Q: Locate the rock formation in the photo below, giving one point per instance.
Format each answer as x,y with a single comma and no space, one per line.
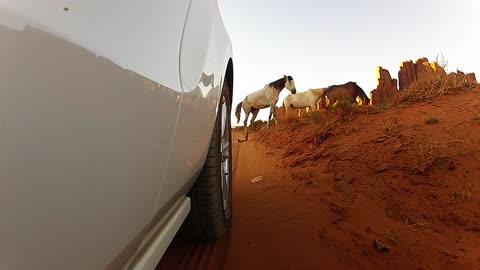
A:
410,72
386,87
470,77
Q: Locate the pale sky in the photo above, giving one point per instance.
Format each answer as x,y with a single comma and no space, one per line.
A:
320,43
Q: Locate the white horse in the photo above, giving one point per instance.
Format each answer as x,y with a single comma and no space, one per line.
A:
264,98
307,99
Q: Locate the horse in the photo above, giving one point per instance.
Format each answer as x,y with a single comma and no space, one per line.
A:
307,99
349,91
264,98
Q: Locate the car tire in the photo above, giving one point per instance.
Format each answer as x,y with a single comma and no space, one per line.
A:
211,196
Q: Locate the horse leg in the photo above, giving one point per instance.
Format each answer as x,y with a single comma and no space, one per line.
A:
320,104
247,114
254,116
270,116
285,106
272,113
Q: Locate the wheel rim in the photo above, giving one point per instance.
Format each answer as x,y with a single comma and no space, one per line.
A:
226,159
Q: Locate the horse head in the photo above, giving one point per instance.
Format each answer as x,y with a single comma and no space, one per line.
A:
290,84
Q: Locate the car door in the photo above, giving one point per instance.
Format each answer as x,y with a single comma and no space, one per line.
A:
203,62
89,96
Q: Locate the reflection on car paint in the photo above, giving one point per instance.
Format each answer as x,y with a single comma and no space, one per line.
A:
80,146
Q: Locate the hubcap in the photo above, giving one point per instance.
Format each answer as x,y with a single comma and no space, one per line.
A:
226,162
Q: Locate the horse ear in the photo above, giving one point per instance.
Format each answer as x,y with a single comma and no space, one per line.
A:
284,76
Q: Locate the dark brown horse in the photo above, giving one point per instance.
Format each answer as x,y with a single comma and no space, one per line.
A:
349,91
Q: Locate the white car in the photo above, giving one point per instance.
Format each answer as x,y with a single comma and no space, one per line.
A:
114,130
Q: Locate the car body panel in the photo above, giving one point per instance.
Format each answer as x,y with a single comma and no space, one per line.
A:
141,36
197,35
80,155
84,136
206,66
157,241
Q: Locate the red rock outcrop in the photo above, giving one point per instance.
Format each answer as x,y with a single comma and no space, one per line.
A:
410,72
386,87
406,74
461,76
470,77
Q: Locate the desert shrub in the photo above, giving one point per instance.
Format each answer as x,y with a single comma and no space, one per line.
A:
343,104
434,84
257,125
424,152
389,127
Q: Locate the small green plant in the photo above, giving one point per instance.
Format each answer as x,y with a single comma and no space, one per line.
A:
432,120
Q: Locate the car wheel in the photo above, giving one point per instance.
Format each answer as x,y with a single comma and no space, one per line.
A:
211,196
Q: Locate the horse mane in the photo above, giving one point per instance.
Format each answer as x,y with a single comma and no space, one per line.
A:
280,83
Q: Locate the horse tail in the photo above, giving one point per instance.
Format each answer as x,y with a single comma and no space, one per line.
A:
238,111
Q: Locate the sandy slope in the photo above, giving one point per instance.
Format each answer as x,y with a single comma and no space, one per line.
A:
365,185
326,195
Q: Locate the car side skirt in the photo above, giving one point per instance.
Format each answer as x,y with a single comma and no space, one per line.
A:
157,241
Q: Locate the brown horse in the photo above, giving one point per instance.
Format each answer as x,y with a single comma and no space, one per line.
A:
349,91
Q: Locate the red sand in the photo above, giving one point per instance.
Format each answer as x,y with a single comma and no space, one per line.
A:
326,196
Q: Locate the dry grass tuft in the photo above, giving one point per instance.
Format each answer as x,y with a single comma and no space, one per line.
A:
432,120
324,131
389,127
394,236
434,84
257,125
424,152
351,129
343,105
